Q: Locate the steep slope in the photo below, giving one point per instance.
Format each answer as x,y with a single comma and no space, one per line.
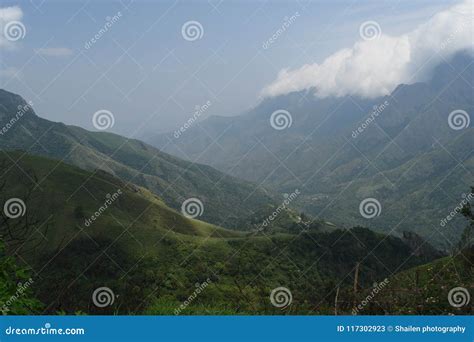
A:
226,200
79,203
430,285
151,258
339,151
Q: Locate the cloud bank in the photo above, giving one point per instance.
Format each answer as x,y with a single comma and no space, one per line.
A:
376,65
7,15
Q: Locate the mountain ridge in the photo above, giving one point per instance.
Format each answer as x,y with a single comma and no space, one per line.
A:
139,248
172,179
319,153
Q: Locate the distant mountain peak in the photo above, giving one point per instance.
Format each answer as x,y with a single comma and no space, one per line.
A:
14,106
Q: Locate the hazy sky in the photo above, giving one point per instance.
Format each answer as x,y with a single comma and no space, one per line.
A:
144,71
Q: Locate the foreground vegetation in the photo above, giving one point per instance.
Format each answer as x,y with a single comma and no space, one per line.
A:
154,260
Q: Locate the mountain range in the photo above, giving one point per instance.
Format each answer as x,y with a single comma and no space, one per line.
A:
400,149
226,200
96,210
125,238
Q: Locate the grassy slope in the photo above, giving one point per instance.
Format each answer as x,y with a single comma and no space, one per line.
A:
227,200
416,192
63,189
152,257
154,267
424,289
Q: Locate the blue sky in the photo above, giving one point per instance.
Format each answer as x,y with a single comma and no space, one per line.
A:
151,78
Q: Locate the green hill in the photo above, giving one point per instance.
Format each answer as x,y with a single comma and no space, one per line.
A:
226,200
152,257
424,290
80,194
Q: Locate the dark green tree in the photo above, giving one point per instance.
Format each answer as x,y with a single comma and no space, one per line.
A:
16,288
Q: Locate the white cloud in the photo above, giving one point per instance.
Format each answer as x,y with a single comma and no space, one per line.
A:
7,15
54,52
375,67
